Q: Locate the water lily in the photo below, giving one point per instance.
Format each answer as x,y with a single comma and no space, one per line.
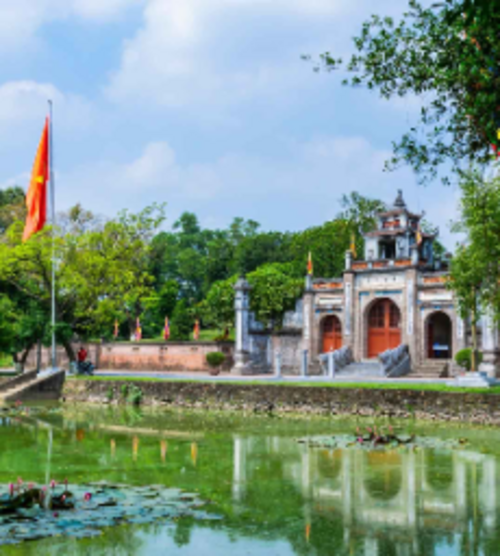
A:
11,489
87,496
52,484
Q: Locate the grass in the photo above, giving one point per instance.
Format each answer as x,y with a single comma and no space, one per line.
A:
338,385
6,361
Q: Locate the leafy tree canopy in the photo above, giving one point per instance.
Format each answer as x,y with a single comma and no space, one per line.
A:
448,55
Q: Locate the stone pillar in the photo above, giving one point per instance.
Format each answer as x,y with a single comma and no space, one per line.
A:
308,332
414,255
239,469
242,362
351,337
412,335
348,260
490,346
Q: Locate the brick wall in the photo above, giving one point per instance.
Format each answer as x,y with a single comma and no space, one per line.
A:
166,356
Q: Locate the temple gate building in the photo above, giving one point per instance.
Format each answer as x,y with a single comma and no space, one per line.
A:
395,295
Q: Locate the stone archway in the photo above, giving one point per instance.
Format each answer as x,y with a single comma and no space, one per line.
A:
439,336
331,334
384,327
383,475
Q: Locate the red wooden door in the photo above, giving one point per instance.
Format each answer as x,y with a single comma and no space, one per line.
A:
384,327
332,334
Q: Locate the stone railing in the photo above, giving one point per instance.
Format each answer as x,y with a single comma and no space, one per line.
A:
334,361
396,362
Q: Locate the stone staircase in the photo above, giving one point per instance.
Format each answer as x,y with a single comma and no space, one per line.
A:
32,386
367,369
431,368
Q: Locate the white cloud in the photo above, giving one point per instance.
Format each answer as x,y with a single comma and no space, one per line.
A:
25,102
21,19
191,52
301,188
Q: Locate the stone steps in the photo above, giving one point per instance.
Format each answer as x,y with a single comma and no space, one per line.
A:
429,369
359,370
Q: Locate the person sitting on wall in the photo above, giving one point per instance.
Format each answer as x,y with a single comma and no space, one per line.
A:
84,367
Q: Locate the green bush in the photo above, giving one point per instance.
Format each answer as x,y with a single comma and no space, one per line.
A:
124,390
215,359
464,358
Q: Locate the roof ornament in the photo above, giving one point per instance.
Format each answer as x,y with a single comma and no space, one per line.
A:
399,202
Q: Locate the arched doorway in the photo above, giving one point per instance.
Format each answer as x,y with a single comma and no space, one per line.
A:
332,334
384,327
439,343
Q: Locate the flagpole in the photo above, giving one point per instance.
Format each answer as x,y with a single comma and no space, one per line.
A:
53,214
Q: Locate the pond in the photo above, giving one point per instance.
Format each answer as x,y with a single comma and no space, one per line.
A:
274,495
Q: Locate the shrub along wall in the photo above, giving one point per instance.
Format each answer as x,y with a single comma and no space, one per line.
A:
467,407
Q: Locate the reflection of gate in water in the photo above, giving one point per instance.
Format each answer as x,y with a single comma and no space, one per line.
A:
382,489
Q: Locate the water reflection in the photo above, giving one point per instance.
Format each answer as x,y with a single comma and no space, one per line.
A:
389,502
277,496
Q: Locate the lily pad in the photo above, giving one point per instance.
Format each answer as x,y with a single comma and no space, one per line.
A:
89,508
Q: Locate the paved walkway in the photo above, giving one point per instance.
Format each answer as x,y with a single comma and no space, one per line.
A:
204,377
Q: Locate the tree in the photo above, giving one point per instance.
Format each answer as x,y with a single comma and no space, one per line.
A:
159,306
466,281
449,56
12,206
361,211
22,324
327,244
101,274
255,249
218,307
182,322
475,269
274,291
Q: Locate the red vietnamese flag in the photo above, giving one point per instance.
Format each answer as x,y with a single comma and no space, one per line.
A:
166,330
310,264
36,198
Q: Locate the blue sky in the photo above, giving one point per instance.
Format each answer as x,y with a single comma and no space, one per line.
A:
203,104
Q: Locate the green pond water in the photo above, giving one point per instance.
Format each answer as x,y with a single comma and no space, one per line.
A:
275,495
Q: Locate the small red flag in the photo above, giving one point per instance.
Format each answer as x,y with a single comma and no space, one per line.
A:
196,331
166,331
36,198
138,330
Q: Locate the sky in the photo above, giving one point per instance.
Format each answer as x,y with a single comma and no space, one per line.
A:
206,105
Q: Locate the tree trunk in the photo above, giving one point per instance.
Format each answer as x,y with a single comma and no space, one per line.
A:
474,357
39,355
69,351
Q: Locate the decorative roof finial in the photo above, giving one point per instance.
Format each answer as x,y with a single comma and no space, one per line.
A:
399,202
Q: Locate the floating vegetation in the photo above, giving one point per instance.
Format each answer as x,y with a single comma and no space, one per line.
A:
31,512
20,410
374,438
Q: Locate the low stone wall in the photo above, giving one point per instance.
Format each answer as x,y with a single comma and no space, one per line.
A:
142,356
18,380
44,388
470,408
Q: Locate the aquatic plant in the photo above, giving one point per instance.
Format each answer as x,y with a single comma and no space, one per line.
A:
35,513
377,438
134,395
